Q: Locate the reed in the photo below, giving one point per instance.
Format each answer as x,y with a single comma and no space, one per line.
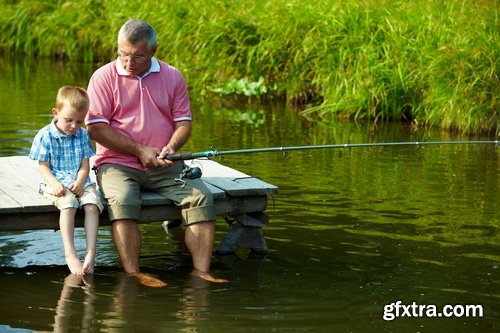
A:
434,63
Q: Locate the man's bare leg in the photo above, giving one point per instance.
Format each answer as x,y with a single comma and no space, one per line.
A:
127,240
199,239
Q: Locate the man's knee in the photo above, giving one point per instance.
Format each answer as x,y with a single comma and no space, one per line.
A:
124,223
199,214
124,212
123,227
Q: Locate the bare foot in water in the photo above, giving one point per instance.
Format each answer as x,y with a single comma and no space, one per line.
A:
73,280
74,264
148,280
88,264
207,276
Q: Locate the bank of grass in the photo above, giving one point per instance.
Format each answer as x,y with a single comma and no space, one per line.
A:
431,62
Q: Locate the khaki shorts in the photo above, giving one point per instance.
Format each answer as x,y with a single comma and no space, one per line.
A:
70,200
121,186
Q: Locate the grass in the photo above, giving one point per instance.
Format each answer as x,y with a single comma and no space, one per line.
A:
433,63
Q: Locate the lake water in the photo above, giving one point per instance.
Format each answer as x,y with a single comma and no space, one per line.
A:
351,231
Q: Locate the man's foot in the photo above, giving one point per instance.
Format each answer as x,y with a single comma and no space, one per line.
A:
207,276
148,280
74,264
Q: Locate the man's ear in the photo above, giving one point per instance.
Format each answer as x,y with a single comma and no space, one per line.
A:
55,112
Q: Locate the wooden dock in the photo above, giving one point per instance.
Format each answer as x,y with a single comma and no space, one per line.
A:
238,197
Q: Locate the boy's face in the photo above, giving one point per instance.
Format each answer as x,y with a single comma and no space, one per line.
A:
69,120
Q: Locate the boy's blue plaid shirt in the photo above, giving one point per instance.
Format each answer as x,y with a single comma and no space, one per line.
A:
63,152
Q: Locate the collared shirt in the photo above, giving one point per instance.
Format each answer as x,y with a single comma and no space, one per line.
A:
142,108
63,152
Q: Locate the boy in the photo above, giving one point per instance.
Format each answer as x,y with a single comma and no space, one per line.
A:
62,150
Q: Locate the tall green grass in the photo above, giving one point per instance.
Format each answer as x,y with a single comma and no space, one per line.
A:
431,62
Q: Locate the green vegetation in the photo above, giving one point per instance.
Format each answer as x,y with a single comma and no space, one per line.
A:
431,62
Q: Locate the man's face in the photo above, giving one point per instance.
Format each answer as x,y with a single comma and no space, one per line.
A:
135,58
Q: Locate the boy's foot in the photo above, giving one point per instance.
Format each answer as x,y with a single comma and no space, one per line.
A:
73,280
148,280
88,264
74,264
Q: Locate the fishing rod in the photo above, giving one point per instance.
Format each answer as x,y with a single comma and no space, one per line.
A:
214,152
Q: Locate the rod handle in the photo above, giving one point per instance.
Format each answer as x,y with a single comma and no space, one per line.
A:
180,157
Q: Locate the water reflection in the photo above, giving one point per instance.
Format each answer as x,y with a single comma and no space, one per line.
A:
349,231
195,304
67,318
116,302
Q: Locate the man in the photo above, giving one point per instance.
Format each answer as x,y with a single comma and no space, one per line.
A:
139,113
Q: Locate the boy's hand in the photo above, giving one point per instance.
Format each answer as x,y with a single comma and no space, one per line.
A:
58,189
77,189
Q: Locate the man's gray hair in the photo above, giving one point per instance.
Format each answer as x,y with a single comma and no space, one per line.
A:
135,31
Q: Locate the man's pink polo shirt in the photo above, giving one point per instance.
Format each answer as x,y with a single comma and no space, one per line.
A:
143,109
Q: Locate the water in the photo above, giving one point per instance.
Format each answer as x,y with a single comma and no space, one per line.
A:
350,231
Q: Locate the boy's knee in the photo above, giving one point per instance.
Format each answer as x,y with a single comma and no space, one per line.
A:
91,209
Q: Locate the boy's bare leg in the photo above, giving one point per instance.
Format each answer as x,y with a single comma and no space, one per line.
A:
67,227
91,223
127,240
199,240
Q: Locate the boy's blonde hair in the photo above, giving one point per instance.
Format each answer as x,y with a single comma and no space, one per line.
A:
76,97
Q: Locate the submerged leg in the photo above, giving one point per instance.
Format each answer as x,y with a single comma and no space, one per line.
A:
199,240
127,240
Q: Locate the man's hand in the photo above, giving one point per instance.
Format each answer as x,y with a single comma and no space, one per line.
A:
167,150
152,157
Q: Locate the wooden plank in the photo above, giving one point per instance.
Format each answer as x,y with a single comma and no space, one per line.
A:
210,168
19,179
242,186
9,205
233,182
234,206
23,167
18,189
23,208
50,220
217,193
26,170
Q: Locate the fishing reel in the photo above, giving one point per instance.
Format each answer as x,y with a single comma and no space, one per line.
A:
189,172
